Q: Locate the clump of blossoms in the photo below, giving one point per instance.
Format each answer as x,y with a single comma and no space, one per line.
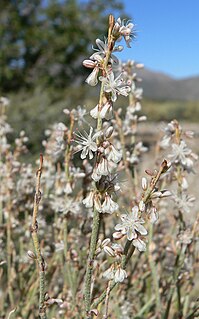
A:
98,146
127,127
183,160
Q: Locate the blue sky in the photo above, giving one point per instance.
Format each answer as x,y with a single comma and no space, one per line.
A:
167,35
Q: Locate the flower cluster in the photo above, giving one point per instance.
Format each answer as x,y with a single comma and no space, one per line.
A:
183,161
132,227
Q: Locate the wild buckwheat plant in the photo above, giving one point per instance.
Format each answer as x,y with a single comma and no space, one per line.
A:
93,234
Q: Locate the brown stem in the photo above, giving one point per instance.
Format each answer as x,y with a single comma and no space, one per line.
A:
34,230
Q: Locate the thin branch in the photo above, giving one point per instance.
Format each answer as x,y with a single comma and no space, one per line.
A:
34,230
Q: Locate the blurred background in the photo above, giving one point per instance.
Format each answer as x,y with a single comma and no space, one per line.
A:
43,44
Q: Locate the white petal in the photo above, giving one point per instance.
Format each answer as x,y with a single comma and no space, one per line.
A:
140,229
139,244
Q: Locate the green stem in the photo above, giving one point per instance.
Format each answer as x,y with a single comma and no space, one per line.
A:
125,260
89,270
145,307
154,271
177,267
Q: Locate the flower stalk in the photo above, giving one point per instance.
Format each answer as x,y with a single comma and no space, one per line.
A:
96,214
36,244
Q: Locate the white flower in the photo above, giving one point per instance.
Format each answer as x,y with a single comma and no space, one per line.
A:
113,154
95,176
106,111
88,142
120,275
68,188
109,206
131,224
164,143
4,101
120,29
102,51
153,215
97,203
137,93
79,114
139,244
180,153
92,78
59,246
102,168
185,184
184,203
88,201
109,274
60,132
115,86
94,112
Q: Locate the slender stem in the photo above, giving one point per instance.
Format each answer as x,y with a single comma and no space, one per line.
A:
107,300
128,248
9,254
122,140
149,303
36,244
177,267
163,169
96,216
89,270
154,272
68,148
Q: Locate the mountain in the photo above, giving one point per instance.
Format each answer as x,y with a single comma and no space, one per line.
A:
158,85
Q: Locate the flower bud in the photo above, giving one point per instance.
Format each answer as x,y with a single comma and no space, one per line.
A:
156,195
165,193
139,65
109,131
144,183
31,255
149,172
89,64
105,242
106,144
109,251
142,118
141,206
117,235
